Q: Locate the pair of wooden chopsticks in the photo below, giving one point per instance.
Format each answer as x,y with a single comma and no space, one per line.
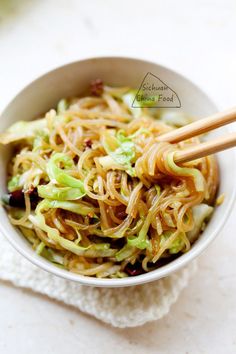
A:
199,127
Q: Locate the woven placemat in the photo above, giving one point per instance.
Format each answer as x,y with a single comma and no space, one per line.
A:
120,307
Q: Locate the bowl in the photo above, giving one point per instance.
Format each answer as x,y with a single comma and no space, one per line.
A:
73,79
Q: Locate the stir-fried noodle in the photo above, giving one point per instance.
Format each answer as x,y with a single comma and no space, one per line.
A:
94,191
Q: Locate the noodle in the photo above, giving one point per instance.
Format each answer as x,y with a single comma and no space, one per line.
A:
94,192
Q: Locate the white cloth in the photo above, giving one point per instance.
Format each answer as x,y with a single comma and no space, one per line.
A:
122,307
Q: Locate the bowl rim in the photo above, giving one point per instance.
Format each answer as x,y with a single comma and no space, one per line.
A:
156,274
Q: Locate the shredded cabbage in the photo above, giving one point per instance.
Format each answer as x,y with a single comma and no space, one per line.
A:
75,207
141,240
129,98
122,137
50,191
53,256
125,252
177,119
62,176
201,212
27,179
124,156
14,183
41,138
40,248
23,130
186,171
121,153
176,246
62,106
95,250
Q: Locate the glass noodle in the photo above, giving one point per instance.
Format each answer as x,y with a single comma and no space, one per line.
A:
94,192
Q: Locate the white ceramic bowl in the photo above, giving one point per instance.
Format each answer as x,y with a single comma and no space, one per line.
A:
72,80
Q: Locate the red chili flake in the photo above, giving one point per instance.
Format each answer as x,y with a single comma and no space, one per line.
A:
96,87
88,143
16,199
134,269
121,214
34,198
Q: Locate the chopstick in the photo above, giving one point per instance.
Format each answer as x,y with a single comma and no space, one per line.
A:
205,149
199,127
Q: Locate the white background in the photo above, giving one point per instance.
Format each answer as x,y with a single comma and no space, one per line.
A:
196,38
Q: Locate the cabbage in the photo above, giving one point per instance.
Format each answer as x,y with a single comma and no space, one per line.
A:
177,119
121,153
23,130
29,234
53,234
50,191
62,106
141,240
146,101
100,250
125,252
96,250
124,155
28,179
108,163
129,98
120,159
54,119
53,256
119,274
40,248
176,246
201,212
74,207
123,138
158,189
14,183
60,175
40,138
186,171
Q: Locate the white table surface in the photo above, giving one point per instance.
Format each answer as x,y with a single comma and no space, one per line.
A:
196,38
